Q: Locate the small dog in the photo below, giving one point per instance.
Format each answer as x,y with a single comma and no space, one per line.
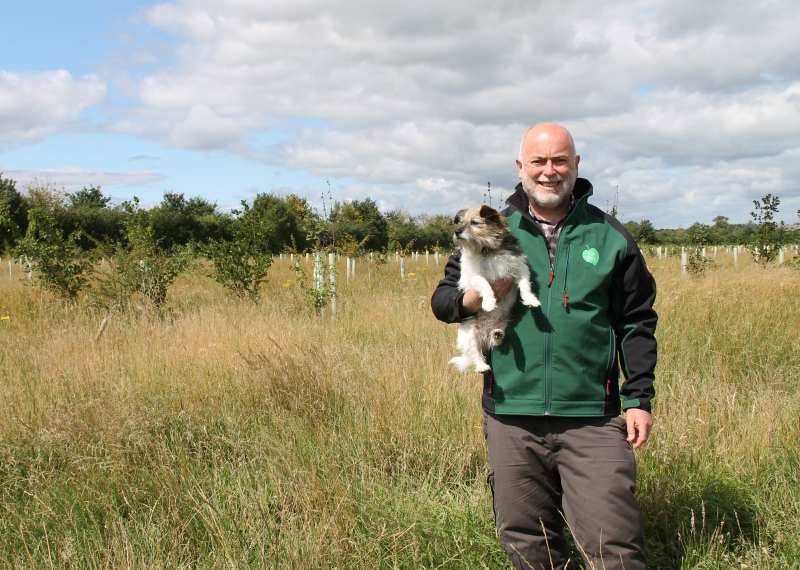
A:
489,252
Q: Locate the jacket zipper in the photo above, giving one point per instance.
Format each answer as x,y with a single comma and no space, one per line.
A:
566,278
547,338
548,356
612,353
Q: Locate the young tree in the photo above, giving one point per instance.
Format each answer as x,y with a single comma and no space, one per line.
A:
241,263
768,237
56,261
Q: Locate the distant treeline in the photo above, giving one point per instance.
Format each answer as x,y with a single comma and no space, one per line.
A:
289,222
720,232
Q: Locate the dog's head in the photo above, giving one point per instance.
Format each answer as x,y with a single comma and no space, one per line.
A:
480,228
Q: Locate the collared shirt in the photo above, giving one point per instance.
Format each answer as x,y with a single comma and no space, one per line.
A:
552,231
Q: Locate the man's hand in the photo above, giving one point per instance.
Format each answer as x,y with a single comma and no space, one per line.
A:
472,301
640,422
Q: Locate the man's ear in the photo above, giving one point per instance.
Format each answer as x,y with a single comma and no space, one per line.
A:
459,217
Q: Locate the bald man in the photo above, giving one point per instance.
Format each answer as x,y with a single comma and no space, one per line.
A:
558,448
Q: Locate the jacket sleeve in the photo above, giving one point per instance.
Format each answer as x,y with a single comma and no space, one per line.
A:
634,293
446,300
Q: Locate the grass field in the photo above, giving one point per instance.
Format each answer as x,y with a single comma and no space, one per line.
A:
228,435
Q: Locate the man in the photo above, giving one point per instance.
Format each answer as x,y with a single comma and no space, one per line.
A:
558,450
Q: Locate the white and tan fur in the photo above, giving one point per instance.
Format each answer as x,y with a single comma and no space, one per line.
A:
489,252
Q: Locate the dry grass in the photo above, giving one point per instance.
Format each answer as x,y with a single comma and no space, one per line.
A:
225,434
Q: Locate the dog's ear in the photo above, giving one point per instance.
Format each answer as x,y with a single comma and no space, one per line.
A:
459,217
490,214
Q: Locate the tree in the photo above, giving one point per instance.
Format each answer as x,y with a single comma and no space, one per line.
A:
140,268
768,238
241,263
361,219
698,235
13,214
281,220
46,196
89,213
647,233
91,197
56,262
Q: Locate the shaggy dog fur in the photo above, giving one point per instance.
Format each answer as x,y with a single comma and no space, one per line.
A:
489,252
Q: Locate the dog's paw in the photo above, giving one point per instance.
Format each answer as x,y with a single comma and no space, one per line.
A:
488,304
498,336
482,367
531,301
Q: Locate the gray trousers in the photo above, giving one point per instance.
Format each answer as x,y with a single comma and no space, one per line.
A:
548,470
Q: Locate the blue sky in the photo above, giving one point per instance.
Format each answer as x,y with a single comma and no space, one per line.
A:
691,111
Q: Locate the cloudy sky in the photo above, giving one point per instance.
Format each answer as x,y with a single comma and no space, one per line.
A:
690,109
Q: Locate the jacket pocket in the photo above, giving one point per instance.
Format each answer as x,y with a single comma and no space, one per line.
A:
612,353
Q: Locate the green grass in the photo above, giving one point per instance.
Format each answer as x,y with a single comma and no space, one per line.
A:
230,435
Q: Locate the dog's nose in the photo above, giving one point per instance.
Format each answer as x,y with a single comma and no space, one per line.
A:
459,231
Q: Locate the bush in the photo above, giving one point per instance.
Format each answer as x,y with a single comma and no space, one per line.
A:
55,261
241,264
140,268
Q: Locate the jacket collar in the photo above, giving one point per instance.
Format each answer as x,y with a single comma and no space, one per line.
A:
519,199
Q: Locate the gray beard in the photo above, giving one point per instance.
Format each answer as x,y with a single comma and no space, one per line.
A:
549,201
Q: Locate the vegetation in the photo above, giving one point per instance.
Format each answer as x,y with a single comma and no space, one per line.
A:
227,436
241,263
55,260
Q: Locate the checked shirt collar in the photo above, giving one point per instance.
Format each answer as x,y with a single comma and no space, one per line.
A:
550,230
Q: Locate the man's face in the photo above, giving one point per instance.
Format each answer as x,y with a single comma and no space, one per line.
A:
548,168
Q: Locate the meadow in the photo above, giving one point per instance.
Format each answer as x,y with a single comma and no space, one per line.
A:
223,434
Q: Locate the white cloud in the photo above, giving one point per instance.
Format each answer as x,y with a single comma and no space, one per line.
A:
690,108
33,105
73,179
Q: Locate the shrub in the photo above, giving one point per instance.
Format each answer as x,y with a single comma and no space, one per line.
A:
241,264
56,261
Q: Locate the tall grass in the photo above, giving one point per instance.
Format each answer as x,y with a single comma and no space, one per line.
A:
227,434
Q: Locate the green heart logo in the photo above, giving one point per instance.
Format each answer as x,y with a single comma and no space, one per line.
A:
591,255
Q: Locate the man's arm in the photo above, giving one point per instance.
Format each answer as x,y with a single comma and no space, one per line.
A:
635,326
452,305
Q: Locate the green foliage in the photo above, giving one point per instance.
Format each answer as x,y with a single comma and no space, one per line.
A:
91,197
13,214
318,294
698,236
140,269
284,220
88,211
56,262
241,263
178,221
643,232
768,238
362,220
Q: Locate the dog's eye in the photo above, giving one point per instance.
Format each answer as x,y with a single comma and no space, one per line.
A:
475,222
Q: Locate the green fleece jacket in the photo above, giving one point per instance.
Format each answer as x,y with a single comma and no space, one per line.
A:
564,358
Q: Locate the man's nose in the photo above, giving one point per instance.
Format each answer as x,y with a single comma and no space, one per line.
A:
549,170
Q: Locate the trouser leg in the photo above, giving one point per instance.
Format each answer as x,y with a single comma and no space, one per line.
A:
598,477
526,492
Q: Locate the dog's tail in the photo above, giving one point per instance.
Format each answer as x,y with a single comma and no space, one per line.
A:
462,363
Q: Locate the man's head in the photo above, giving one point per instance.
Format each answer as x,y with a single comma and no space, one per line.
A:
548,166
